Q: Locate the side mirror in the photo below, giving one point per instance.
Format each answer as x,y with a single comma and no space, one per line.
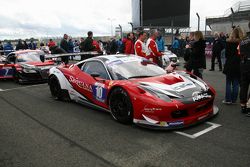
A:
42,58
95,74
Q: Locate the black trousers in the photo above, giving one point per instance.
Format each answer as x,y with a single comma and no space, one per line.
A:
65,59
197,72
218,56
244,82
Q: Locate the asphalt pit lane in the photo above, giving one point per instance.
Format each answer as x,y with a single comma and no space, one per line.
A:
197,131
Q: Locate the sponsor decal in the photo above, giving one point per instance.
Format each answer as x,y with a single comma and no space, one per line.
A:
110,84
99,92
112,63
6,71
197,96
163,124
80,84
183,86
151,110
130,59
177,123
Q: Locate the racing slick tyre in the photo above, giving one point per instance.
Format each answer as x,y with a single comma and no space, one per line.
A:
120,106
56,91
16,77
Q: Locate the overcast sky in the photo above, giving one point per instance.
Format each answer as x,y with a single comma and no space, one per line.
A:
30,18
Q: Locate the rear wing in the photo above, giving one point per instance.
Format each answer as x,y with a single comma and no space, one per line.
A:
85,55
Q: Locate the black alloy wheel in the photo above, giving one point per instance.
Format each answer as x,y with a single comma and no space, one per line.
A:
120,106
16,76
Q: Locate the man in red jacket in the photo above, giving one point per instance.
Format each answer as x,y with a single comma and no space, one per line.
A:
129,45
140,47
51,43
152,46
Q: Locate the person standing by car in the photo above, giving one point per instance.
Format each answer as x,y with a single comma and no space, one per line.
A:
113,46
64,43
88,43
176,46
88,46
64,46
188,50
153,49
32,45
19,45
119,44
216,52
245,73
51,43
71,47
160,43
129,44
25,45
81,45
232,67
8,48
140,46
223,51
197,59
1,48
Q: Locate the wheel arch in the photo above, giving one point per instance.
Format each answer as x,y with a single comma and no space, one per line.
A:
60,76
111,90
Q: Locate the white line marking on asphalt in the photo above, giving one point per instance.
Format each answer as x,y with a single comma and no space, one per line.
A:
5,90
193,136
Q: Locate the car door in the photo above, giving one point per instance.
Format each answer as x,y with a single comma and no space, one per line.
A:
98,84
6,70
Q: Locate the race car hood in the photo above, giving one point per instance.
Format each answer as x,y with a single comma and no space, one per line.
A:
176,85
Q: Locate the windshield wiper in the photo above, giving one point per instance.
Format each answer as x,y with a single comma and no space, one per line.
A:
141,76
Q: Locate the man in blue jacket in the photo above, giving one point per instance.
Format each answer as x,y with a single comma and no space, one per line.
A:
8,48
160,43
32,45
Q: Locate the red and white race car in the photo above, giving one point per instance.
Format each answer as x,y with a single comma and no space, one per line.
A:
25,66
133,89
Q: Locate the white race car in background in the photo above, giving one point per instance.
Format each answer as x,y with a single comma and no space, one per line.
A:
169,57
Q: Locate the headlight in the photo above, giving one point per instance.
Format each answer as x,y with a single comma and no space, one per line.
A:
29,70
156,93
173,59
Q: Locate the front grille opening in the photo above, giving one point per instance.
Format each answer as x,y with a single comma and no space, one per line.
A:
205,107
179,114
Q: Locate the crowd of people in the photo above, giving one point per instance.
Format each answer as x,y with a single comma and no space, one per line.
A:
233,58
232,54
21,45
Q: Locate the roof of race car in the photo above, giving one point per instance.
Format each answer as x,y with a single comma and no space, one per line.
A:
112,58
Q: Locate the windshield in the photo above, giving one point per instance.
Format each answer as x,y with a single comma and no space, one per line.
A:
29,57
137,68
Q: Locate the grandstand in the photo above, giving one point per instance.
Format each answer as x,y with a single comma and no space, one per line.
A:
237,15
